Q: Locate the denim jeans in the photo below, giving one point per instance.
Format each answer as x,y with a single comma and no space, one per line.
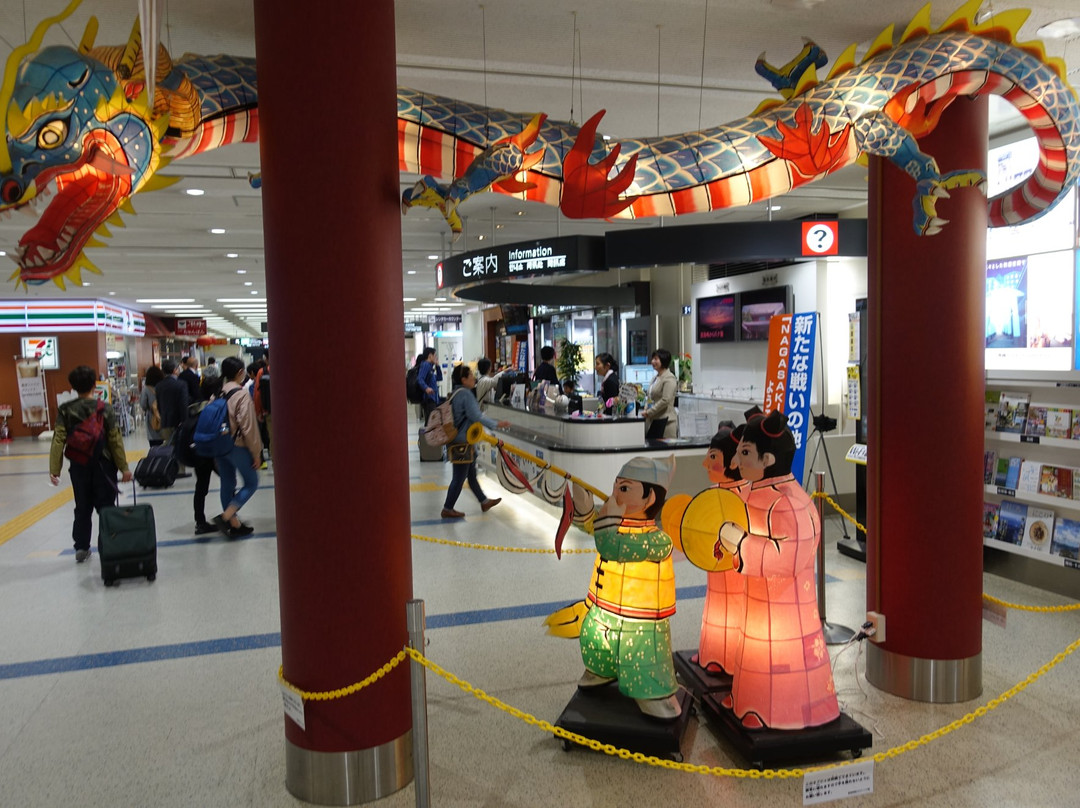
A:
238,460
463,471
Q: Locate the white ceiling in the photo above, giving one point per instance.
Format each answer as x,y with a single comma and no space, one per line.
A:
641,60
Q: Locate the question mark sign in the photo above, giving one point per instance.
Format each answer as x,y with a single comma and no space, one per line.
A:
820,238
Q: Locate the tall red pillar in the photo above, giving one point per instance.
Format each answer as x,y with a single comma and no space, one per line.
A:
925,427
331,219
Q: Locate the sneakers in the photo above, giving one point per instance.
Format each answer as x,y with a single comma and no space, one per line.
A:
81,556
221,524
489,503
205,527
450,513
239,532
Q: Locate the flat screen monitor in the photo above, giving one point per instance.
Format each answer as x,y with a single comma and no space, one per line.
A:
758,307
716,318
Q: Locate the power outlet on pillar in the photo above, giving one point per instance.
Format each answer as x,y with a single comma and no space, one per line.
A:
876,627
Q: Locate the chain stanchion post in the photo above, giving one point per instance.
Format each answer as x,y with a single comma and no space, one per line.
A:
414,611
834,634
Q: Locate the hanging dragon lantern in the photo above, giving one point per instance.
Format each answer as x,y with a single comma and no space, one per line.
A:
81,137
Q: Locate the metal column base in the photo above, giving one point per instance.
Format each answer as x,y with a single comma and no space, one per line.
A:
349,778
940,681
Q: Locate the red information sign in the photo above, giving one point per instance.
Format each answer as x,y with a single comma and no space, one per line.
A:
820,238
776,374
190,328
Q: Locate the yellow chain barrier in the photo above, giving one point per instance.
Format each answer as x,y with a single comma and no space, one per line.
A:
651,760
1069,608
473,546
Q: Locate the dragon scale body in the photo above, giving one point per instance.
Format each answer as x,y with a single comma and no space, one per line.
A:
82,137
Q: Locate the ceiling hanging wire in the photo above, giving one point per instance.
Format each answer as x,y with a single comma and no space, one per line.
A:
580,82
701,86
168,29
658,27
483,40
573,64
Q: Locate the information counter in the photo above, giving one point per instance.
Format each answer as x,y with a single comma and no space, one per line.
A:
593,449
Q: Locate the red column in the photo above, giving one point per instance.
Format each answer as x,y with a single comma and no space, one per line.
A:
331,219
925,428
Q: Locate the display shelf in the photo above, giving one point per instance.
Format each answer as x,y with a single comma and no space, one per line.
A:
1038,555
1035,440
1045,500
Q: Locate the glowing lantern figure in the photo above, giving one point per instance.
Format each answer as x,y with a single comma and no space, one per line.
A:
625,634
782,676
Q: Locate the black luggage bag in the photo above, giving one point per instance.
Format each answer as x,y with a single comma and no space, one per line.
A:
127,542
427,451
158,469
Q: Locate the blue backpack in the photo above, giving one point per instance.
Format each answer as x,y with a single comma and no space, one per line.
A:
213,434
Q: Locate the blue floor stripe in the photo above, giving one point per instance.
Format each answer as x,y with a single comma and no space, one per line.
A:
205,539
188,491
19,670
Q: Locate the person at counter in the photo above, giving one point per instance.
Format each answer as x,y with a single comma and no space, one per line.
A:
462,454
573,399
545,371
607,370
660,416
486,382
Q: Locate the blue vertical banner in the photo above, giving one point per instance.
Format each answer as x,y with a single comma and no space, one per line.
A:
800,383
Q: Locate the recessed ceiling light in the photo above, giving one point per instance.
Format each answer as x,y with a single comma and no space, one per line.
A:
411,272
521,213
408,300
232,255
234,300
480,237
194,192
254,292
433,258
241,272
439,299
85,283
217,231
165,300
3,252
249,283
112,293
774,207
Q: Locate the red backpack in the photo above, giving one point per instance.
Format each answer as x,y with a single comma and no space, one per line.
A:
84,440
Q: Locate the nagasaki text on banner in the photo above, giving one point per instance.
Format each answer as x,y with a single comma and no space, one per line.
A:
790,376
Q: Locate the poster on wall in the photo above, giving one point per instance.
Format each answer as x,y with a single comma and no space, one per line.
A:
1029,312
716,319
31,378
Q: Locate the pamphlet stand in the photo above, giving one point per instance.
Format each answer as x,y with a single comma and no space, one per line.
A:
604,714
766,748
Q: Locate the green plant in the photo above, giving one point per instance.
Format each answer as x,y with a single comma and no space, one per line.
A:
570,361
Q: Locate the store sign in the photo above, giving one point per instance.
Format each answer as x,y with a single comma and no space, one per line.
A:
413,327
526,259
69,316
821,238
445,322
190,328
43,349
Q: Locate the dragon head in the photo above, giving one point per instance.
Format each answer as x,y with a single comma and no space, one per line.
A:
79,143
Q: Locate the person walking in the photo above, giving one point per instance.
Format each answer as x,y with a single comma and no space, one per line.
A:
466,412
428,382
209,387
93,477
244,458
172,401
149,407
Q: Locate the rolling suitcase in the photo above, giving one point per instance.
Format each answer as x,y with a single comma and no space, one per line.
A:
158,469
427,451
127,542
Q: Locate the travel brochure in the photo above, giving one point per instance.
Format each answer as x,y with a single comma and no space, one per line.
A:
1032,528
1030,476
1011,411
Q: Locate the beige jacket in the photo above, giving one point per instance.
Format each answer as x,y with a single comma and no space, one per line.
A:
242,419
662,402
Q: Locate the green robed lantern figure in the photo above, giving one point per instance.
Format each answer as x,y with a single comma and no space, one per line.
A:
625,634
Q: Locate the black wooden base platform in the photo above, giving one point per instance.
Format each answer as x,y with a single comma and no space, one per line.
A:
698,680
766,748
605,715
852,548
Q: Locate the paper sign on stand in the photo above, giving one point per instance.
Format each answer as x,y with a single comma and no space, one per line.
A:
838,783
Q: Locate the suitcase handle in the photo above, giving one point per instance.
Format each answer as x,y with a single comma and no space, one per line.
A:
134,495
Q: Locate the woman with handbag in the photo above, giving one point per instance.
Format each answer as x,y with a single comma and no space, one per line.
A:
466,412
149,407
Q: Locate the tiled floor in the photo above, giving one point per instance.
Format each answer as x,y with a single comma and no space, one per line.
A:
164,694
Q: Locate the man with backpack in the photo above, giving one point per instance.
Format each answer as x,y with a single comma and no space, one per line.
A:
87,434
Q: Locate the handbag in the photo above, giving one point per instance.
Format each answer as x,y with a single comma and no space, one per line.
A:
461,453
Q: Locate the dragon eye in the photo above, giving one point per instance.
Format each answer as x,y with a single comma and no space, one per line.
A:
52,134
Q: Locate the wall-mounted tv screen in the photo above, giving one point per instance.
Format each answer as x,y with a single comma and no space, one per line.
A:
716,318
756,308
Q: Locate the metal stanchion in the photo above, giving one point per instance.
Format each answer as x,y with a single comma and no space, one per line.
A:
414,611
834,634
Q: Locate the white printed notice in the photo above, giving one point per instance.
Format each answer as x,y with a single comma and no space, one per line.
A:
31,391
838,783
294,705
